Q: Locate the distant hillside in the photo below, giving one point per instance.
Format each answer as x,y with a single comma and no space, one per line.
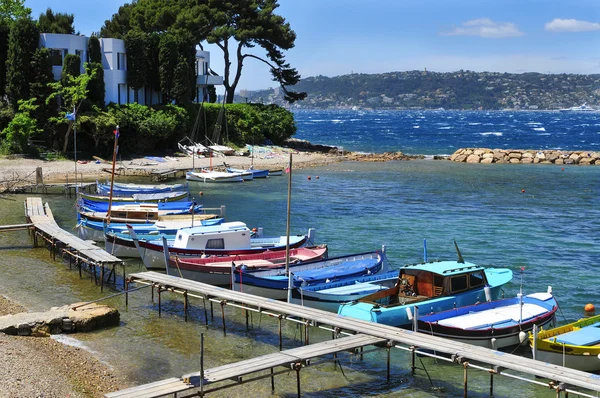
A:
433,90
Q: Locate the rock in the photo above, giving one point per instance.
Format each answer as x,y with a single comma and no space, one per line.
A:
473,159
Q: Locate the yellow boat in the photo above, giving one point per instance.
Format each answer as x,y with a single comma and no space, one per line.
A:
576,345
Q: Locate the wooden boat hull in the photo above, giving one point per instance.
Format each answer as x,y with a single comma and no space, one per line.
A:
493,325
329,296
217,270
274,283
575,345
214,177
150,198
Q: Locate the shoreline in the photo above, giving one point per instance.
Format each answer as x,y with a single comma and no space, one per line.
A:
45,366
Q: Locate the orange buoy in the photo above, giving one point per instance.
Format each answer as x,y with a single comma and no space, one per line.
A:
201,193
563,169
308,178
522,191
589,309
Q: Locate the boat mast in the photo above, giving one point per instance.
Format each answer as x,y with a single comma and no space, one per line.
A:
112,178
287,233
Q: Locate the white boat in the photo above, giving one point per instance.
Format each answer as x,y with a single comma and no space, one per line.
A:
580,108
222,149
213,176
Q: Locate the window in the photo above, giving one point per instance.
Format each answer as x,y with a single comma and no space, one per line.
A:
121,61
476,279
57,55
458,283
215,244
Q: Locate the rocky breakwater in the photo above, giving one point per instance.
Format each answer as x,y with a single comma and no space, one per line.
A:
522,156
78,317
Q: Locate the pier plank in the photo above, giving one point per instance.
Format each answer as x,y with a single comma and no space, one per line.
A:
399,336
156,389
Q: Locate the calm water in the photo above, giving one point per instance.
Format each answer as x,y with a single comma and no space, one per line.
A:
551,229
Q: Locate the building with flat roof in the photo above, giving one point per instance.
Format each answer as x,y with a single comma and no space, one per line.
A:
114,62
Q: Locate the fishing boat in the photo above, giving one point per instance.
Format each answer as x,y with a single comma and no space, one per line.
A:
255,173
494,324
91,205
127,190
136,213
141,197
575,345
432,287
275,283
581,108
228,238
329,295
275,172
213,176
95,229
217,270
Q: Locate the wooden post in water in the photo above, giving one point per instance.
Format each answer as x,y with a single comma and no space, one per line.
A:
112,177
465,392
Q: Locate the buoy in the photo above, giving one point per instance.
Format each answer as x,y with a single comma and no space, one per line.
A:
201,193
317,177
522,191
308,178
563,169
522,337
589,309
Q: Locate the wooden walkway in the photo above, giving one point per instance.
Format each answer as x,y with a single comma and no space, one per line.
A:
83,252
400,338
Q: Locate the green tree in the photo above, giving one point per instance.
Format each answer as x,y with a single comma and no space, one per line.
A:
13,9
4,33
71,68
176,66
73,91
152,62
22,43
135,45
94,53
15,137
41,67
118,26
96,88
237,26
50,22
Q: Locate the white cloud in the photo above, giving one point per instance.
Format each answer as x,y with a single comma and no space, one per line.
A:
571,25
486,28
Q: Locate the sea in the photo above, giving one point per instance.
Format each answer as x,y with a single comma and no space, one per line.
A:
540,221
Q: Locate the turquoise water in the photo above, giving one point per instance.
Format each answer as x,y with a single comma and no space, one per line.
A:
542,218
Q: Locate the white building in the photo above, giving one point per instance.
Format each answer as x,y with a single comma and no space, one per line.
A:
114,62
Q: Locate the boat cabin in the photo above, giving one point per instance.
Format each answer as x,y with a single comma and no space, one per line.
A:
425,281
229,235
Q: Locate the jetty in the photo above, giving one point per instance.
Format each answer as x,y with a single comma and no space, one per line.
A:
361,333
523,156
80,252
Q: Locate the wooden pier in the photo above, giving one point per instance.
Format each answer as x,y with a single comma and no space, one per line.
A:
81,252
364,332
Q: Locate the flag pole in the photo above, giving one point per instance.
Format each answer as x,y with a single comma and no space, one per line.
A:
112,178
287,232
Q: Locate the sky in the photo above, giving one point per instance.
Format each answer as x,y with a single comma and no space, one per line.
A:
340,37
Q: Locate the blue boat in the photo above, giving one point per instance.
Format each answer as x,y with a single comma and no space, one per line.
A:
274,283
122,189
329,295
159,197
494,324
170,207
256,173
429,287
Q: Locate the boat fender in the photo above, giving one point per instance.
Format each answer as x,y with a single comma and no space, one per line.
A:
493,341
488,293
409,314
522,337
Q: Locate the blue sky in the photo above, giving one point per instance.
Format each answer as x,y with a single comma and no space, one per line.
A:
338,37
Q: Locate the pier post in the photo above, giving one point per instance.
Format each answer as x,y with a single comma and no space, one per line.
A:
272,381
297,367
101,277
492,371
205,311
126,287
185,305
388,346
212,312
306,329
78,265
201,364
159,303
280,335
413,355
465,380
223,303
247,316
